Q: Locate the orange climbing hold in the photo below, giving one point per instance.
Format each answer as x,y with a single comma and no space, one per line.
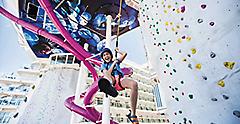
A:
198,66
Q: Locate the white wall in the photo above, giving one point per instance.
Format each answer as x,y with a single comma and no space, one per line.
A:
199,99
47,103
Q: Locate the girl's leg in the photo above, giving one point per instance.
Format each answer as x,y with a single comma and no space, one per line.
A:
131,84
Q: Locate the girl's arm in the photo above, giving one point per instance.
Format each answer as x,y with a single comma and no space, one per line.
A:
112,66
108,73
122,54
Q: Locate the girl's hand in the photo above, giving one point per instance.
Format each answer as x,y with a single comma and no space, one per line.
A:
116,61
117,50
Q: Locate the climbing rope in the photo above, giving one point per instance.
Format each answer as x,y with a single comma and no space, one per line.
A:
118,27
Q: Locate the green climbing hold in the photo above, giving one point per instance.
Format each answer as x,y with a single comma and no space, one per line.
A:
168,65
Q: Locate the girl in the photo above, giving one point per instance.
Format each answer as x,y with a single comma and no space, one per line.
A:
111,70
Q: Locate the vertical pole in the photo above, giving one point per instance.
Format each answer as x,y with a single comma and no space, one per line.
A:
44,20
108,31
106,99
81,86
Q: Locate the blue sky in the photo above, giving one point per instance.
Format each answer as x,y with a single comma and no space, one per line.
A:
14,57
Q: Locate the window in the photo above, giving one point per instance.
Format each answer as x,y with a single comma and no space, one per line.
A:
32,11
4,117
159,97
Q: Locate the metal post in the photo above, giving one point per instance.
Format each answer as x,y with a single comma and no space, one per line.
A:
81,87
106,99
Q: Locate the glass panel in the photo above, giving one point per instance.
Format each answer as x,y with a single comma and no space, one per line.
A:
61,59
53,59
70,59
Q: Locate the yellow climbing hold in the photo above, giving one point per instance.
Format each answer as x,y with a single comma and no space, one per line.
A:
171,23
166,23
193,50
184,59
178,11
169,6
229,65
221,83
178,26
188,38
165,11
173,29
179,40
198,66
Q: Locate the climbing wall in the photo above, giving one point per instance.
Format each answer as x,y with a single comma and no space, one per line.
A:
46,106
194,46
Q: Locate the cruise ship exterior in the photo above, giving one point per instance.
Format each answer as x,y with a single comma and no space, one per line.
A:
16,90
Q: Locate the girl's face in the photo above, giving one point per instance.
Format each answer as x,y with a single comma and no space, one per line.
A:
107,57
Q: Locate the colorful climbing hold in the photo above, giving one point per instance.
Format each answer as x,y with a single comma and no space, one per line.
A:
212,55
183,8
169,6
168,65
229,65
198,66
165,11
182,82
221,83
214,99
188,38
211,23
179,40
178,11
200,20
203,6
204,77
180,112
190,66
193,50
236,113
166,23
183,93
190,96
225,97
